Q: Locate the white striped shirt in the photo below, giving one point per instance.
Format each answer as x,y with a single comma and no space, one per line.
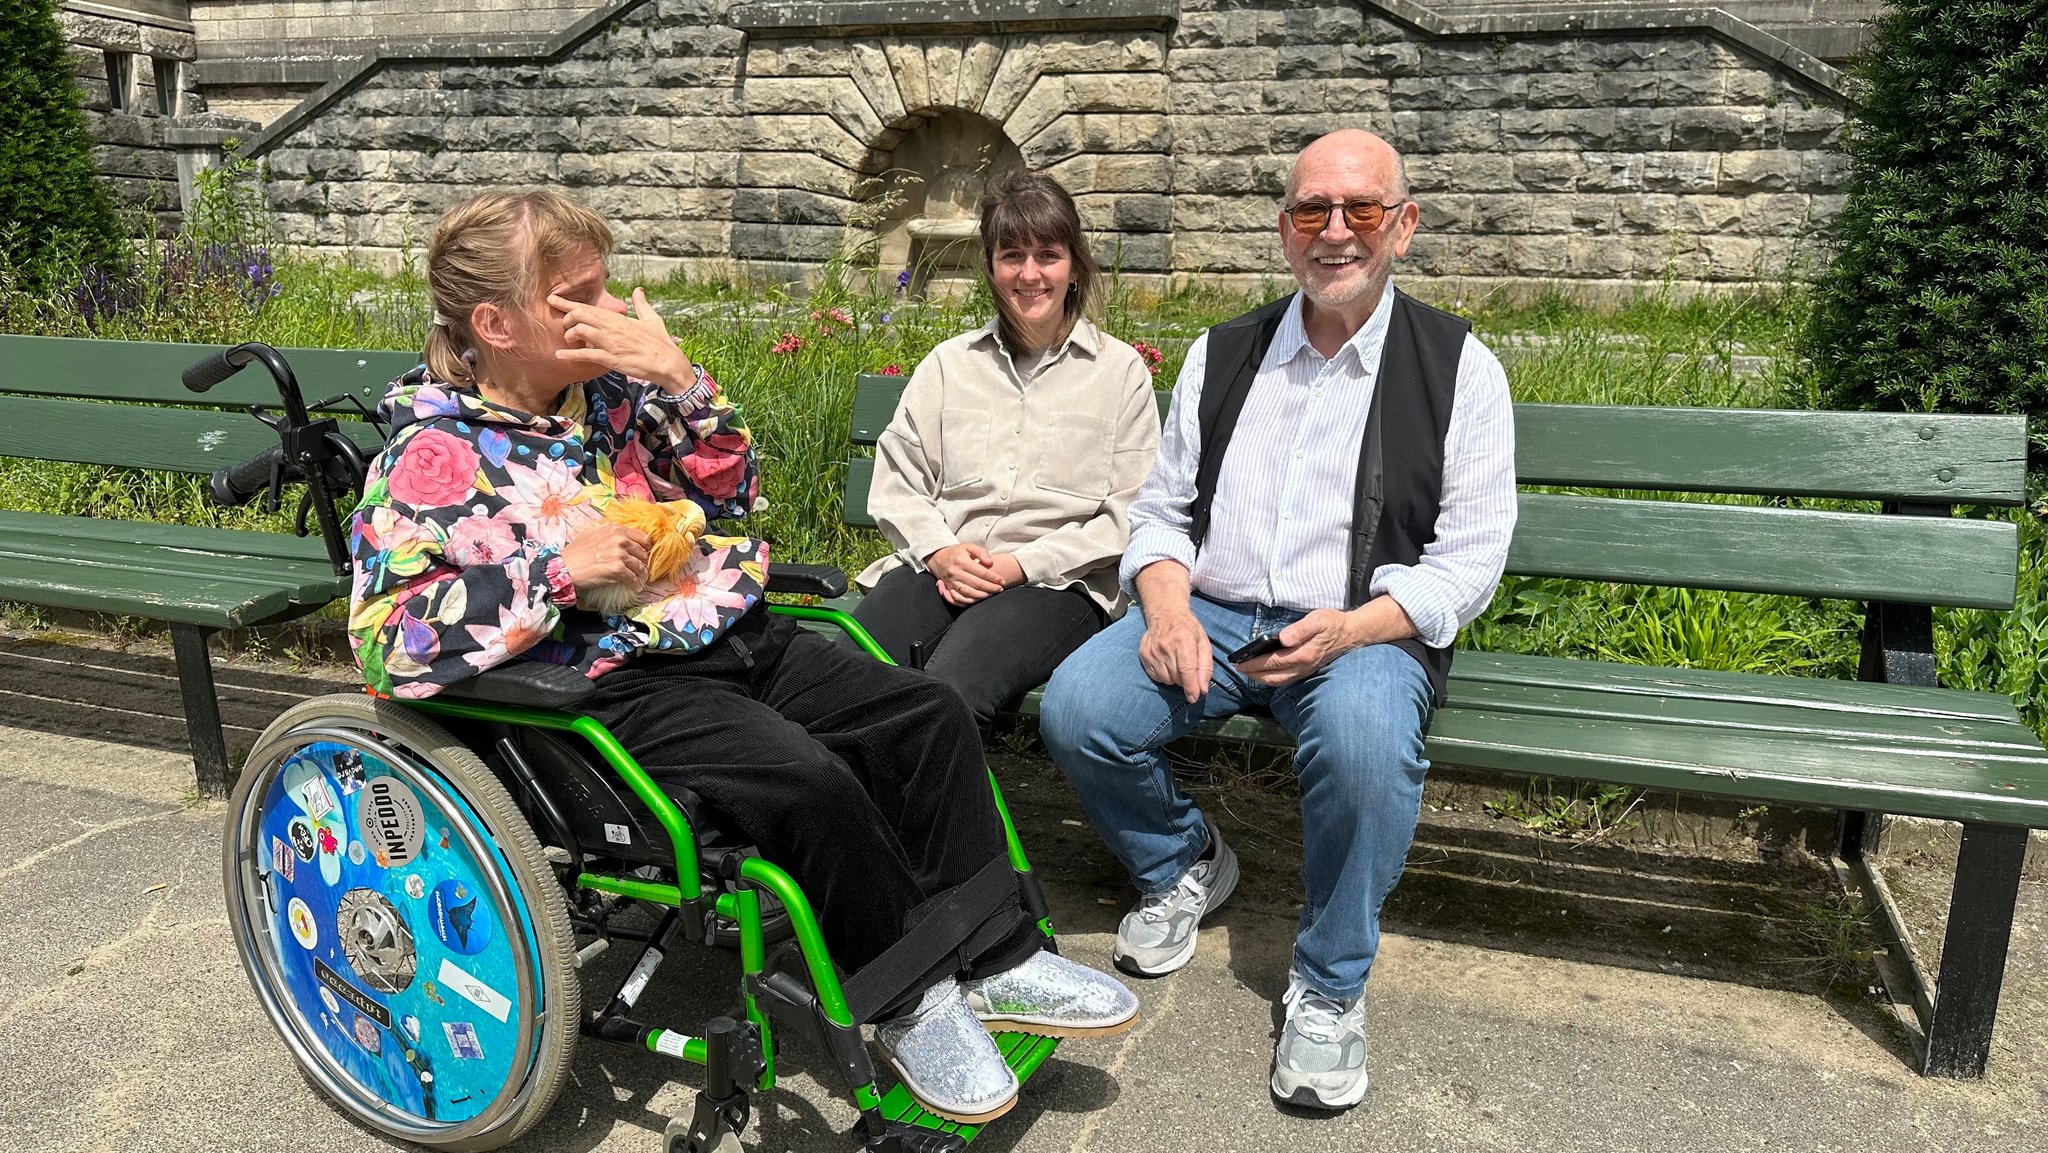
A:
1279,527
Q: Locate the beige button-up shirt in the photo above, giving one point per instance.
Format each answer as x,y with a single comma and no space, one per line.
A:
1044,468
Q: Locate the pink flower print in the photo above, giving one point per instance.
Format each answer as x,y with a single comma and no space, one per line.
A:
629,471
435,469
479,539
618,416
549,500
703,586
716,471
520,626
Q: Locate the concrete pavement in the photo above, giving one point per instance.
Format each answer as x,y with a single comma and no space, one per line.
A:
1530,996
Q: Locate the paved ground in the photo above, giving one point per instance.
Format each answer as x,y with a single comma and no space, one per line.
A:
1530,995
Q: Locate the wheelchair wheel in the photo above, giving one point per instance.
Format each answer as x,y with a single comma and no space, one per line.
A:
400,925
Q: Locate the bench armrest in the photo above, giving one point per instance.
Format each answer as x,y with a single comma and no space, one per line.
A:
821,580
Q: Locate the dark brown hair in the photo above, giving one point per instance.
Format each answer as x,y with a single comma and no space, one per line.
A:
1022,208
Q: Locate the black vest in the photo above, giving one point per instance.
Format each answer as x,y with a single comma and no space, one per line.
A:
1394,509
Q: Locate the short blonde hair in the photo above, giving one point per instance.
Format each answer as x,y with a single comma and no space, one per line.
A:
494,248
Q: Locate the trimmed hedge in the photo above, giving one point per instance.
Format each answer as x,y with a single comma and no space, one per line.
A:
54,211
1937,296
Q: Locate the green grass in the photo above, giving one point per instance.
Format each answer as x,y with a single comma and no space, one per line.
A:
1654,350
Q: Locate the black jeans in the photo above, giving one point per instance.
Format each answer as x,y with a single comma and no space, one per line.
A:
994,650
865,782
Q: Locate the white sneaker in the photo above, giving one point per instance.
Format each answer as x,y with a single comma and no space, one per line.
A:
1053,997
1158,936
947,1060
1319,1061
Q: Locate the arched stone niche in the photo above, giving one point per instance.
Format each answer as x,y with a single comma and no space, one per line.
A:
938,170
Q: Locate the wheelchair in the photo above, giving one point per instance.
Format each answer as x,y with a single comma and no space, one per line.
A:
414,887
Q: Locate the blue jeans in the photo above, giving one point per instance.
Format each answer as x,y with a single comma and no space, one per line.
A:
1358,727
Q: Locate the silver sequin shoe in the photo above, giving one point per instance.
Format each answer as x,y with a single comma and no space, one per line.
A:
1053,997
947,1060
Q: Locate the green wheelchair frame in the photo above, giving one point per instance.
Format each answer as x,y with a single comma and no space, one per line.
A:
740,1057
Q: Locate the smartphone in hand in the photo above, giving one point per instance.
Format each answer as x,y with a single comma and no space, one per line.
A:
1257,647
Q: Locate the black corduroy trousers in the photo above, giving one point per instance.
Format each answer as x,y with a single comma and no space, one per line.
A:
864,781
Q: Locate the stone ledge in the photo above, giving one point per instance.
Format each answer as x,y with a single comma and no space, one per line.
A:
354,73
1608,20
154,12
809,17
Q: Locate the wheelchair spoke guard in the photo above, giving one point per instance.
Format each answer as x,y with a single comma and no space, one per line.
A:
400,925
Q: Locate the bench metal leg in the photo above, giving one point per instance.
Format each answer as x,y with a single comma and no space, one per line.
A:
202,708
1980,913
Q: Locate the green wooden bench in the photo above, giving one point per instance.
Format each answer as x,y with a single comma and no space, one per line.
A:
1891,742
111,402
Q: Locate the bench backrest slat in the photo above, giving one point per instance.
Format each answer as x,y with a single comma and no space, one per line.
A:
136,370
1746,548
1743,548
1915,458
1934,458
141,436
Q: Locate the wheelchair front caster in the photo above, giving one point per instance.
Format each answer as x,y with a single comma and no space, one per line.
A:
677,1139
722,1109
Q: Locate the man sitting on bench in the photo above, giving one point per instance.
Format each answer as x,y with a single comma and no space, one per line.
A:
1357,450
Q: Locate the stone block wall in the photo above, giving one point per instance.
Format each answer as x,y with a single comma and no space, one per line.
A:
717,134
131,122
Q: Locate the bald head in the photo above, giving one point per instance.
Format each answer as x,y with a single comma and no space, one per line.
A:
1350,149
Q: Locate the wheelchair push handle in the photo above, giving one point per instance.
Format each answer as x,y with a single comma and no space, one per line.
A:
238,484
310,452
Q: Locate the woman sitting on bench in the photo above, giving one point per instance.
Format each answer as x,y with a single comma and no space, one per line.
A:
1005,478
540,403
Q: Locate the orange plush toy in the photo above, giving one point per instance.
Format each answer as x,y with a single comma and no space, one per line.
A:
673,529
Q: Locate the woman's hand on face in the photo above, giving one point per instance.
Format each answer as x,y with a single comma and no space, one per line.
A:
964,574
638,345
604,554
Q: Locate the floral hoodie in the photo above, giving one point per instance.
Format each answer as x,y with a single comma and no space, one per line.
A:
458,539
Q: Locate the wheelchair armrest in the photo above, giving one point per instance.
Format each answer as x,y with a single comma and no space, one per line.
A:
529,684
814,579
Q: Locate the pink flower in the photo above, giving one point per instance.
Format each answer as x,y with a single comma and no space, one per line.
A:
520,626
789,343
839,316
891,370
477,540
1150,355
629,471
717,469
435,469
702,587
549,500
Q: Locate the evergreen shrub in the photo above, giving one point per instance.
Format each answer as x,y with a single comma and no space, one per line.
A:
54,212
1937,295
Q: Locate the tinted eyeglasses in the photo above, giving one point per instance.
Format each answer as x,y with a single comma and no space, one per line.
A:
1312,216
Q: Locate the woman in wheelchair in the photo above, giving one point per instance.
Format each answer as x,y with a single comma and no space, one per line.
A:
483,533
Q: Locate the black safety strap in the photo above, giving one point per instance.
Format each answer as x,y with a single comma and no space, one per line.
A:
956,927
